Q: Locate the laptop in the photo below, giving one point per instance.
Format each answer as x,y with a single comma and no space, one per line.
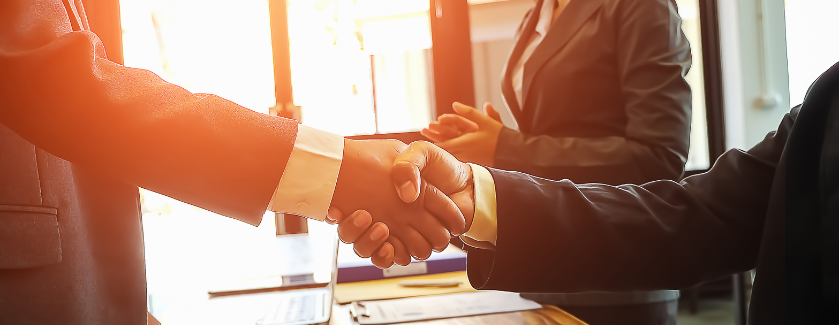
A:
304,306
287,262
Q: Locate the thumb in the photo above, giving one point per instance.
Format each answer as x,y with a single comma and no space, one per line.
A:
406,171
471,113
435,165
491,112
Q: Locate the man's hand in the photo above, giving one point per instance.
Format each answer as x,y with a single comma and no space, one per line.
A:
365,183
470,136
369,239
424,163
419,165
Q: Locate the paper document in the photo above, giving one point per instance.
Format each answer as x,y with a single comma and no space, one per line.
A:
390,289
441,306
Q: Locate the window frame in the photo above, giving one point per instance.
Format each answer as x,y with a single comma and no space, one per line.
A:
712,73
450,34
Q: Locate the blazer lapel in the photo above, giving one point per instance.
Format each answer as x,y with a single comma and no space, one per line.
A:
520,43
565,26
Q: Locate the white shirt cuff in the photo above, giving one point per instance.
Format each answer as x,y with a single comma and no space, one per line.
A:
311,173
485,222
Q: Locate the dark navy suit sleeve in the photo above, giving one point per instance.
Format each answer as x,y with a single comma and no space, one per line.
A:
557,236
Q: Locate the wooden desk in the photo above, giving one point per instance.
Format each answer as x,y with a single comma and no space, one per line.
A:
548,315
246,309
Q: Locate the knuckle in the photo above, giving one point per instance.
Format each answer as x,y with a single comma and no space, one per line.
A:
346,237
421,144
361,252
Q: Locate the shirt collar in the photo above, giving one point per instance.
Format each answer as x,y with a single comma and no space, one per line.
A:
545,17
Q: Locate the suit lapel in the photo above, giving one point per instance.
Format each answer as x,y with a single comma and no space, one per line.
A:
520,43
70,6
565,26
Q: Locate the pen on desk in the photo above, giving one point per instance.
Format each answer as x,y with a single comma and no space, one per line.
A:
430,283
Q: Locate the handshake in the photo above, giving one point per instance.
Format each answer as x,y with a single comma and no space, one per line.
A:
394,201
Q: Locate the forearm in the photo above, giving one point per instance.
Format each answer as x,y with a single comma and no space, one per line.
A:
131,125
611,160
602,238
555,236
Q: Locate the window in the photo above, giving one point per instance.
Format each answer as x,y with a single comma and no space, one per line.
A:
808,52
361,67
203,46
186,41
698,156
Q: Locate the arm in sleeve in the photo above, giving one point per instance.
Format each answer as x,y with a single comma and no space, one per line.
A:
65,96
555,236
653,58
310,176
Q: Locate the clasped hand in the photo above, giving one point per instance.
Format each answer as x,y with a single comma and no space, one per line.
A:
469,135
405,200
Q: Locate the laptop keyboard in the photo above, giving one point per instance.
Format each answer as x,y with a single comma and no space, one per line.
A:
295,309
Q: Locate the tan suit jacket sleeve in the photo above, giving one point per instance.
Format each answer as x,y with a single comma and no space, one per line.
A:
60,92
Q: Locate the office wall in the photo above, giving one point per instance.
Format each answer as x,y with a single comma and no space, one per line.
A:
754,64
493,26
754,58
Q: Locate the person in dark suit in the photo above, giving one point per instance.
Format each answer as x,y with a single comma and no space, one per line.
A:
79,134
772,208
598,92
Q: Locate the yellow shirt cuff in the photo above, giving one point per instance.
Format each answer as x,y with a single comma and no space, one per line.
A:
311,173
485,223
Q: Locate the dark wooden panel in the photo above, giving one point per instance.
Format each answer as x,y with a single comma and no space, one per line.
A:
451,54
104,19
712,64
278,11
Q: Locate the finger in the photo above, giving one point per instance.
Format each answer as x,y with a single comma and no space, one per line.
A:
467,142
371,240
445,211
384,256
491,112
416,244
465,201
333,216
446,130
354,226
400,252
434,233
433,136
462,124
471,113
432,229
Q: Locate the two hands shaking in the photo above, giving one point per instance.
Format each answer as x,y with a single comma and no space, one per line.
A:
433,198
394,201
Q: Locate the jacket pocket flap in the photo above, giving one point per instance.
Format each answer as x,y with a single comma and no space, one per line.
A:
28,237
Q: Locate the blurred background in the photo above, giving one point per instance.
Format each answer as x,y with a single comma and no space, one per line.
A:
361,67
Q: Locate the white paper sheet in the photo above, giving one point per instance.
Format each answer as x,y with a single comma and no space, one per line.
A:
441,306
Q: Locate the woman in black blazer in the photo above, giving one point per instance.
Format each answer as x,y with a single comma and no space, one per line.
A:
597,89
